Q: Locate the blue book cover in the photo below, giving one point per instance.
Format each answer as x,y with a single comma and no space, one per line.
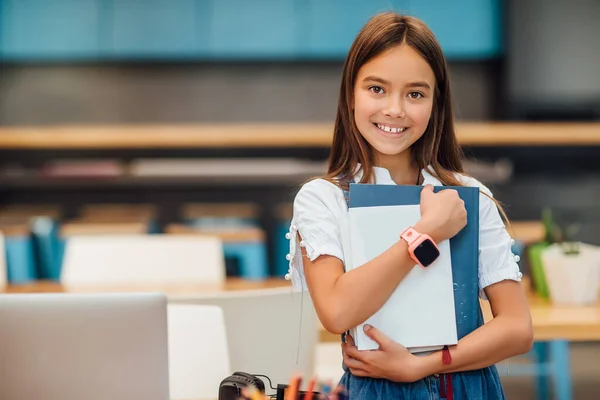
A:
464,246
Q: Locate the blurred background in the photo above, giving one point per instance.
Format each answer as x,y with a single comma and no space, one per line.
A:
187,116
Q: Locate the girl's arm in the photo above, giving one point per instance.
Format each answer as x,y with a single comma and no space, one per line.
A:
344,300
509,333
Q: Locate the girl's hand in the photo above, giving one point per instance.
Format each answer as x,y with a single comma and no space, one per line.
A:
392,361
443,214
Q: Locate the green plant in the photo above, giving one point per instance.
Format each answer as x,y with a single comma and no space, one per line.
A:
564,236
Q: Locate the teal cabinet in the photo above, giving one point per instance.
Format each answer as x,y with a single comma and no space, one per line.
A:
332,25
50,29
255,29
466,29
158,29
172,30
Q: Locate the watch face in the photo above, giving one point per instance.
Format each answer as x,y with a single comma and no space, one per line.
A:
426,252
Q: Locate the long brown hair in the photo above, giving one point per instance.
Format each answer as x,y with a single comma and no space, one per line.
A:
437,149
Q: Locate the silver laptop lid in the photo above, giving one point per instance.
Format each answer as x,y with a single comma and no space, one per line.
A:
83,346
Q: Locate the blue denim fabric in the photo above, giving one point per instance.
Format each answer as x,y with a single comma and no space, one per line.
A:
481,384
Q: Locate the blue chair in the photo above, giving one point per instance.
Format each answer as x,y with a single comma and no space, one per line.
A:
245,246
550,365
47,247
19,253
251,256
281,242
549,360
282,248
38,236
554,361
238,226
102,216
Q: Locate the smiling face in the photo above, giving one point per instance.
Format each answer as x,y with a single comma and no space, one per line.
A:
393,101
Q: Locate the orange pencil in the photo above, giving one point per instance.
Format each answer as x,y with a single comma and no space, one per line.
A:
292,391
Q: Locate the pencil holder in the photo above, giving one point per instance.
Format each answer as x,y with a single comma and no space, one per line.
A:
572,271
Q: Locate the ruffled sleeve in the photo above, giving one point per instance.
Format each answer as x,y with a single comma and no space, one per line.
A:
496,259
314,228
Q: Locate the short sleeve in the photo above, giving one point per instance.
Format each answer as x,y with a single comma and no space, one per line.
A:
314,227
496,259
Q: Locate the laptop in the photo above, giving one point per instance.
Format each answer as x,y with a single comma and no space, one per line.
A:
272,332
84,346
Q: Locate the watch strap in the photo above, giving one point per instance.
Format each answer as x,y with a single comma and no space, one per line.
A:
410,235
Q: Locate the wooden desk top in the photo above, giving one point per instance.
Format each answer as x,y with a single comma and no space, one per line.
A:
549,321
275,135
231,284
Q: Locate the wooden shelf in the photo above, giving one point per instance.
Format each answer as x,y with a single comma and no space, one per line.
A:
133,182
275,136
158,137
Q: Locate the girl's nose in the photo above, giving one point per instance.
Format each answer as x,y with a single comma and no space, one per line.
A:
395,108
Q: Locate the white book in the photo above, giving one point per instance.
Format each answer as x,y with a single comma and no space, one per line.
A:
420,313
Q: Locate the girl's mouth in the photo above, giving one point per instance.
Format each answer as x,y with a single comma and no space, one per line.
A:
391,131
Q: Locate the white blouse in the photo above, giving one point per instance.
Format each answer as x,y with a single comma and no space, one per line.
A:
321,219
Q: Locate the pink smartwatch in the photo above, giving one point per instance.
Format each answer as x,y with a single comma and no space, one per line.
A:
421,247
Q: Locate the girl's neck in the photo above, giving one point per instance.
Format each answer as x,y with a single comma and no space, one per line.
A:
400,167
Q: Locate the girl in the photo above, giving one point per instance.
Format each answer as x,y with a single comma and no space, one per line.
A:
394,125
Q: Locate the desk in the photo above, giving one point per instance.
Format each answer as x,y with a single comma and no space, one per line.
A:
231,284
550,322
554,326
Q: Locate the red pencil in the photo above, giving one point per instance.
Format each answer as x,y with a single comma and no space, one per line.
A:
310,389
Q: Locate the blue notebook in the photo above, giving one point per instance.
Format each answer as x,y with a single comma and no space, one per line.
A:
464,247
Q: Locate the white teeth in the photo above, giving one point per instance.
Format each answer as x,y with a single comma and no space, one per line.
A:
389,129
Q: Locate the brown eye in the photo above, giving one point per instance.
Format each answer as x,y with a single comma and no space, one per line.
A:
415,95
376,89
